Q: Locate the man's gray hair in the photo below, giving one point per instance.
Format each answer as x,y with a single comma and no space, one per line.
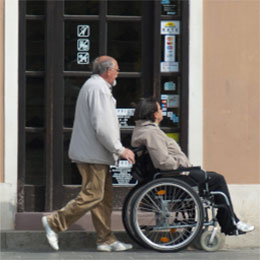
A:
99,67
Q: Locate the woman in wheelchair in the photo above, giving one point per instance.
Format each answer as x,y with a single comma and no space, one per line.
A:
166,155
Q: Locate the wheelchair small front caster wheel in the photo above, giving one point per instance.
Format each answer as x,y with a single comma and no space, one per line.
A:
217,243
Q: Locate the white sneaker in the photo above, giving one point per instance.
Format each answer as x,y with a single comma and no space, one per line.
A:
244,227
50,234
116,246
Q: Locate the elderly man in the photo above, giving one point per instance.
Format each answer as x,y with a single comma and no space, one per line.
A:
95,144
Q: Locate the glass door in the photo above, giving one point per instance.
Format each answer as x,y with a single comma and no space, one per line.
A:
58,41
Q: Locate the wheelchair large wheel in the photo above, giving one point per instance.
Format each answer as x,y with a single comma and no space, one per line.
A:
167,215
126,213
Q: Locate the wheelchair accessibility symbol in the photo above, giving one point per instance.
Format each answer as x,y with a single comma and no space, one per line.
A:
83,58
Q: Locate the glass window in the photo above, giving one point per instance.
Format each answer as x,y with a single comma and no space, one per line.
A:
35,46
71,90
130,8
35,106
86,7
124,43
81,45
35,7
127,92
35,159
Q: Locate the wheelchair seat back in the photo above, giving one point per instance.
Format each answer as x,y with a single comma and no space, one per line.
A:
143,169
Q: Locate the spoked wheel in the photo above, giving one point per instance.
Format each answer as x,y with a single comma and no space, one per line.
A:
167,215
216,244
126,212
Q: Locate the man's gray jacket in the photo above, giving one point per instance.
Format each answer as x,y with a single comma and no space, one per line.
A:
96,133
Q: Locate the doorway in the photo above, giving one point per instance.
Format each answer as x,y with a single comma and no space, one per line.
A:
58,41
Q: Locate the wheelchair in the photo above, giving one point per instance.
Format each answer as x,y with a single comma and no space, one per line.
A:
166,214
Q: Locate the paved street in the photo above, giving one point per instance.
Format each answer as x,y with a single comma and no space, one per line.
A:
136,254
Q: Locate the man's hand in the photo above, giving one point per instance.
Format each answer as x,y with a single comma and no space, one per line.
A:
128,155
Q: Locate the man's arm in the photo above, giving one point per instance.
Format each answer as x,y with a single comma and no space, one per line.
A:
105,123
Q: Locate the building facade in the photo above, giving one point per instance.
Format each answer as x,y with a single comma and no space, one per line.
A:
200,58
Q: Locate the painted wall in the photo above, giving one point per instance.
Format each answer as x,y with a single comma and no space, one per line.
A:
8,189
231,89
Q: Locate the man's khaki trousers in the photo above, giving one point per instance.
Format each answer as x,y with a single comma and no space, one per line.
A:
95,195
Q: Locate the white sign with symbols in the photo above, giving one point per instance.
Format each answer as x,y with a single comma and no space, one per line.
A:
124,114
170,27
169,66
122,174
83,30
83,58
83,44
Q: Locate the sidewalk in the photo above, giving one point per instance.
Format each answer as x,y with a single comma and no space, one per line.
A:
77,240
134,254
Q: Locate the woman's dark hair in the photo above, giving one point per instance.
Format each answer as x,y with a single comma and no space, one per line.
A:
146,108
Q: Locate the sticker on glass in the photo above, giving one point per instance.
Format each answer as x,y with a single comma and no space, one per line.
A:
83,44
171,100
121,174
125,116
83,58
170,27
169,66
83,30
169,86
169,48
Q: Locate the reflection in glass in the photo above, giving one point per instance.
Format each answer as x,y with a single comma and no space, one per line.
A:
35,7
35,45
81,45
86,7
35,107
35,159
131,8
127,92
71,91
124,43
71,174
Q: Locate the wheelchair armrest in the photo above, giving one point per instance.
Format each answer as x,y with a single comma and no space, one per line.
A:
177,171
182,169
138,149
